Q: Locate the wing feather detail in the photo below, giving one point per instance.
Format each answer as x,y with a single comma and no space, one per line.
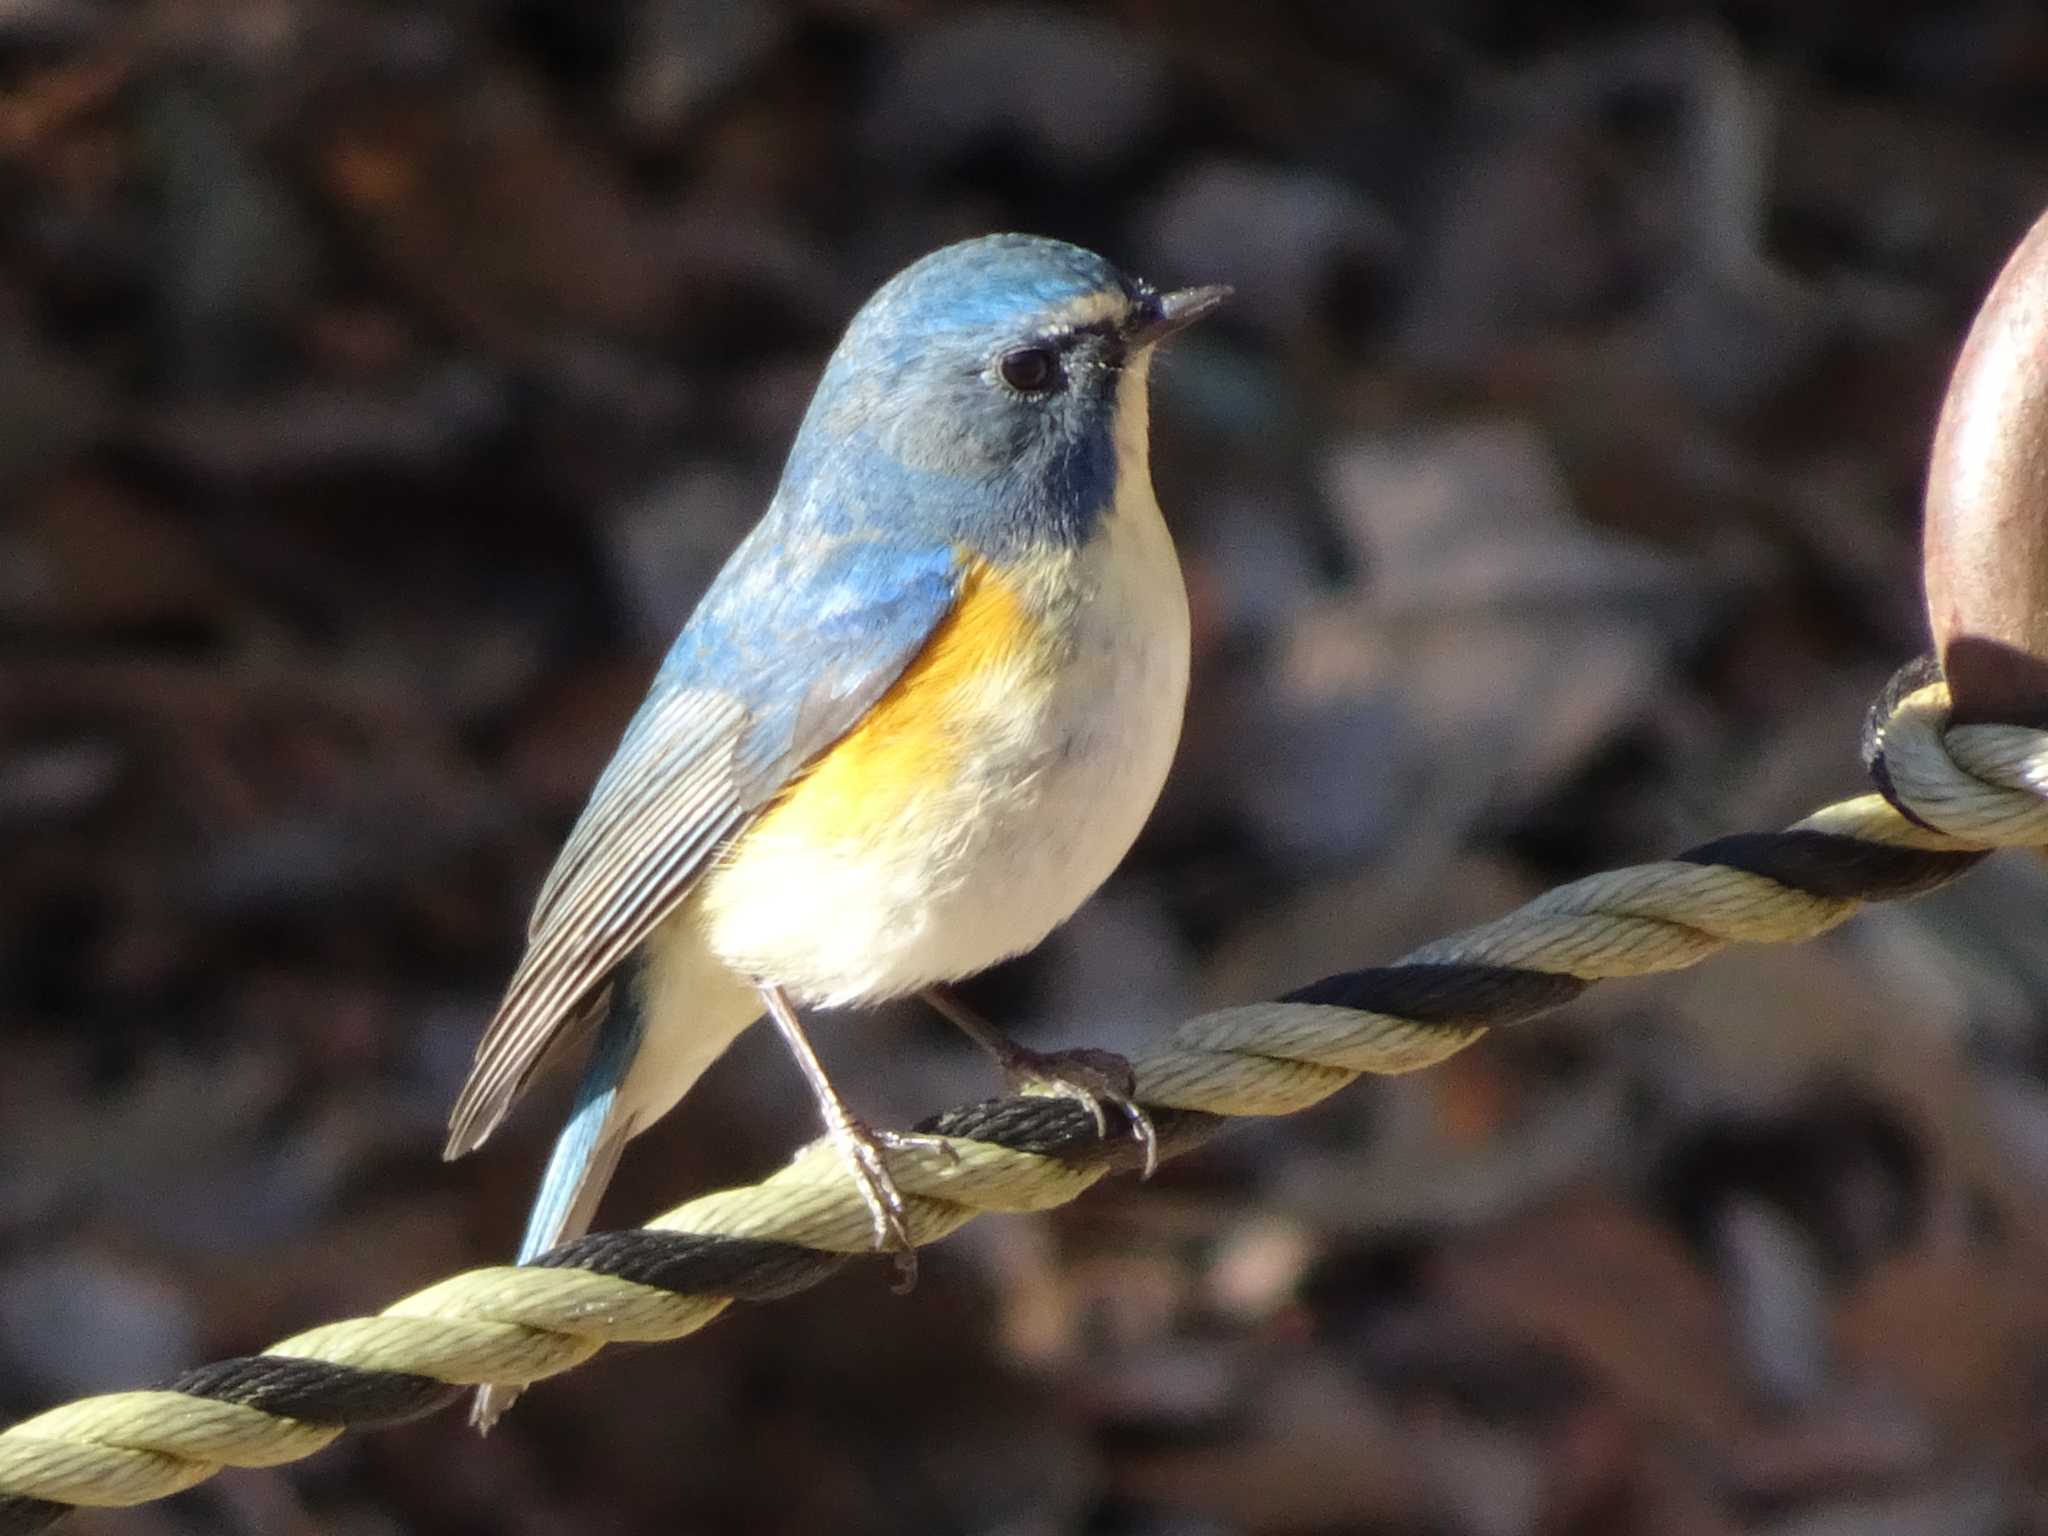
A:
668,799
781,659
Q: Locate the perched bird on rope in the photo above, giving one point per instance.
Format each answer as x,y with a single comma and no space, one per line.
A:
917,719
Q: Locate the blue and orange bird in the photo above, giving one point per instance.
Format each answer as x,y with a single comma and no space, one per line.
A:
917,719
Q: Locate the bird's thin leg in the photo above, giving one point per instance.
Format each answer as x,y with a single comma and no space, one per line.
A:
1092,1077
859,1146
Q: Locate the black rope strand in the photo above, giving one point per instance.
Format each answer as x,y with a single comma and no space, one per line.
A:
697,1264
1450,993
315,1391
24,1517
1921,672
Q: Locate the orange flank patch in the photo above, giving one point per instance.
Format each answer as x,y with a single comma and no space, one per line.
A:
911,739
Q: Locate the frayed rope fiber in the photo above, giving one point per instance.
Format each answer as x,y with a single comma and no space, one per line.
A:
1949,797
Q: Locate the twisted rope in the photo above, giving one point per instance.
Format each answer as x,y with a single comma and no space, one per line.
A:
1948,798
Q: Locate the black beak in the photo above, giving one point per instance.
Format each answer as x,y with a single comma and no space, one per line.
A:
1164,313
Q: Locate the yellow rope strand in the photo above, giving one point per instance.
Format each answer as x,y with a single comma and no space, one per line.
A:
1972,788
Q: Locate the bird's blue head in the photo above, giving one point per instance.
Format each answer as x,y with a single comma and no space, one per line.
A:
991,394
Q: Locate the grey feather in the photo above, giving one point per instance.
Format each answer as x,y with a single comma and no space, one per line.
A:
665,803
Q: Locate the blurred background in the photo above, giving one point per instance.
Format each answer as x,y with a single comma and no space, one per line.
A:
379,384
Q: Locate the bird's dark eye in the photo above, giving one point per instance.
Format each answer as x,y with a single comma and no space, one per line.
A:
1029,370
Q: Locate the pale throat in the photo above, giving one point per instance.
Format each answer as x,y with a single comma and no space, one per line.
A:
1132,431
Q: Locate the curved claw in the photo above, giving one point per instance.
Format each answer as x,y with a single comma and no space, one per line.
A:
1086,1075
1091,1077
861,1151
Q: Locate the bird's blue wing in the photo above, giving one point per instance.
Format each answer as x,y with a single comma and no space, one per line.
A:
792,645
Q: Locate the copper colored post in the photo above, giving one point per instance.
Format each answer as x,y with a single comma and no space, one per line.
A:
1987,503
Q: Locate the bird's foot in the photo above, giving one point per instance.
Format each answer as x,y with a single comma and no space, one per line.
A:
861,1148
1089,1076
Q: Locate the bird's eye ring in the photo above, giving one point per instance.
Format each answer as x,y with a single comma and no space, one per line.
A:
1029,370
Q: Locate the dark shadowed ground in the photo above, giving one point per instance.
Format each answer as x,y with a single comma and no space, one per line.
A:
380,382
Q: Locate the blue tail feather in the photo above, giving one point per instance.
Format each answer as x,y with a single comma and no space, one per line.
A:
585,1153
582,1154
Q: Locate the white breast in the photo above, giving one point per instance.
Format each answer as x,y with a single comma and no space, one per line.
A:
1070,763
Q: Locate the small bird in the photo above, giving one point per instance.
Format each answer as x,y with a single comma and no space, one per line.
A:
918,717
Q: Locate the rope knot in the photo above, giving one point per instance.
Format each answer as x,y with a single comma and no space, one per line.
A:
1975,786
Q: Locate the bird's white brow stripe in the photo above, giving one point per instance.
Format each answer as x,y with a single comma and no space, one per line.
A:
1088,309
